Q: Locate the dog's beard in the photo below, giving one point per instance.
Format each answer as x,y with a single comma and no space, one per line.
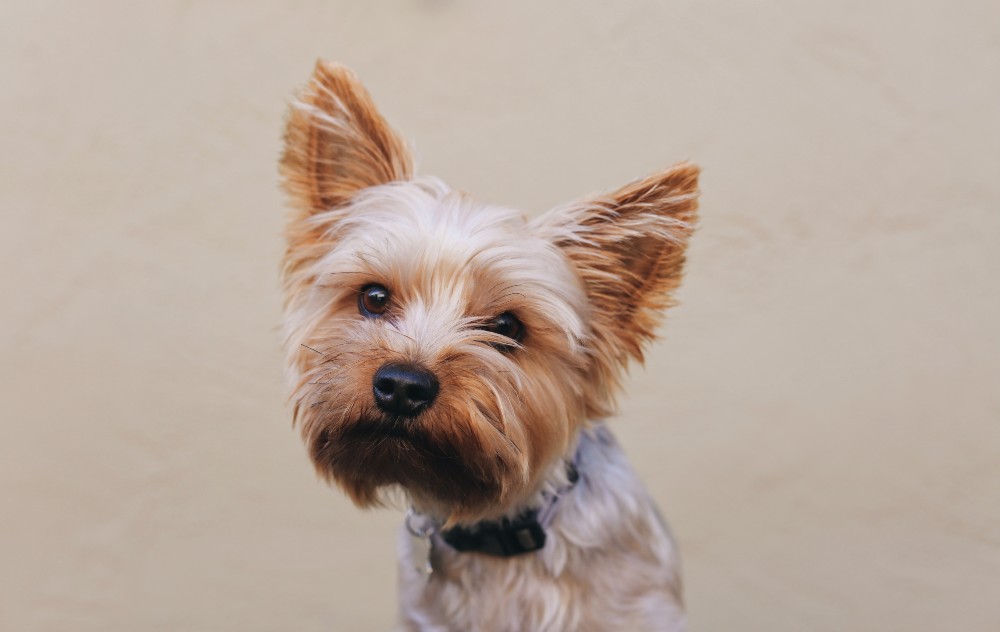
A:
463,453
371,455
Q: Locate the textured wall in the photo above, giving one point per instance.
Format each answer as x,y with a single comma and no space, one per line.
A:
821,425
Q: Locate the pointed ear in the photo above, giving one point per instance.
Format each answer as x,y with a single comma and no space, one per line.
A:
337,143
628,248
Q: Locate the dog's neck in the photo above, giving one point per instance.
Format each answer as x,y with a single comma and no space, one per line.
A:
510,536
514,530
555,479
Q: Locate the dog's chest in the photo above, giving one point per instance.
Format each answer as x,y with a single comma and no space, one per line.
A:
608,564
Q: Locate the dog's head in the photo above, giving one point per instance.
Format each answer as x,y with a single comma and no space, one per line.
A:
443,345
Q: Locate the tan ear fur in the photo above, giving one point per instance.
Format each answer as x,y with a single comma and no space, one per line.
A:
336,144
628,248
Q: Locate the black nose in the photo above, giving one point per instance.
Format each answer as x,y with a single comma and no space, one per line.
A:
404,389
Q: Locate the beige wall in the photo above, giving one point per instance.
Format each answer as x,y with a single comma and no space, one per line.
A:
822,424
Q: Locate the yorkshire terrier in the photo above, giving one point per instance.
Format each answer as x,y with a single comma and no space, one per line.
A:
465,354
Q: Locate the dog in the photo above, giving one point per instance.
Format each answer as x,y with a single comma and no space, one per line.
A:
465,355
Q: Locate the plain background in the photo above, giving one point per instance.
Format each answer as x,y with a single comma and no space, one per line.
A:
821,423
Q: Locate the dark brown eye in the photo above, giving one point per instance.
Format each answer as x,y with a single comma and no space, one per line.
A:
373,301
507,324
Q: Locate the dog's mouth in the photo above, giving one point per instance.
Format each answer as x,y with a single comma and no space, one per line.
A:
384,427
382,440
375,452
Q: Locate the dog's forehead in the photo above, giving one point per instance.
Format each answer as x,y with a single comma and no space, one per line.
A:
423,234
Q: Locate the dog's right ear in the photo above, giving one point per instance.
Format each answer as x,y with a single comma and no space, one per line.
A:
337,143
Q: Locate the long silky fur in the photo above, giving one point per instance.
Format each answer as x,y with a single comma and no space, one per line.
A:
589,281
609,563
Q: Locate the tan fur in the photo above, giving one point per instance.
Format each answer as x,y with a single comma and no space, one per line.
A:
588,281
336,144
628,247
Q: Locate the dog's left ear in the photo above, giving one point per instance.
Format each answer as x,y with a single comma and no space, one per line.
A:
628,248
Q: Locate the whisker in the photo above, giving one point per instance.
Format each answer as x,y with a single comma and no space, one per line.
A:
508,295
348,411
333,358
507,286
342,367
410,338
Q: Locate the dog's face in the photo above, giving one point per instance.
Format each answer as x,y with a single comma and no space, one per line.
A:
445,346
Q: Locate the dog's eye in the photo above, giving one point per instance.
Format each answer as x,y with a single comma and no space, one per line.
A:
373,301
507,324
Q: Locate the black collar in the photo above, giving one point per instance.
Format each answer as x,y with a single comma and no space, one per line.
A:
510,536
